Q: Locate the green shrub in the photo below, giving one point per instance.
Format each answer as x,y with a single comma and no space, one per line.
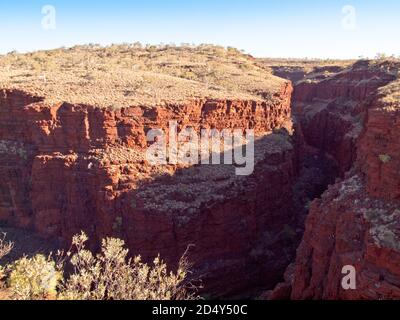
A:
33,278
5,248
385,158
110,275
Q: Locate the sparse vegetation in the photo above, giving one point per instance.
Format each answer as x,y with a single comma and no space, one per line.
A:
33,278
391,95
153,75
385,158
307,64
117,225
5,247
109,275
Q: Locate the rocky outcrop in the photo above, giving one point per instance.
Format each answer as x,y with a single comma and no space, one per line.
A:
67,168
331,110
346,227
356,221
70,167
379,151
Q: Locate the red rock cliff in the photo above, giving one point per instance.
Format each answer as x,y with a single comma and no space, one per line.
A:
356,221
330,110
67,168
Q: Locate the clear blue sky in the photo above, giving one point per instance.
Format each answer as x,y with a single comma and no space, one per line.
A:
277,28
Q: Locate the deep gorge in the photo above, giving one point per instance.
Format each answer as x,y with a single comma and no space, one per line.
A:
70,167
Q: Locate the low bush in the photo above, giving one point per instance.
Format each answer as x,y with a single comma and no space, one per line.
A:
385,158
109,275
5,248
33,278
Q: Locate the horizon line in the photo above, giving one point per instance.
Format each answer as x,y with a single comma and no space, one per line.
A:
161,44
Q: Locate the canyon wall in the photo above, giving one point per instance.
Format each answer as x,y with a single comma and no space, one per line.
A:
356,221
67,168
331,111
360,224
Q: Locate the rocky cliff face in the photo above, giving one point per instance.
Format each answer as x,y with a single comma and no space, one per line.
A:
356,221
71,167
347,227
331,110
67,168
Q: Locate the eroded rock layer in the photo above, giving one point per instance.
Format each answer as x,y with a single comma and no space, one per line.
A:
356,221
331,110
67,168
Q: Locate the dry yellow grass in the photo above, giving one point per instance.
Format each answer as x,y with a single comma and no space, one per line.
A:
127,75
298,70
307,64
391,96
